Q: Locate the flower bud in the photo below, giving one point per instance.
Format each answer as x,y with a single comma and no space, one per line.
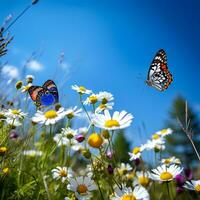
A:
80,138
18,85
14,134
86,153
180,180
105,134
110,169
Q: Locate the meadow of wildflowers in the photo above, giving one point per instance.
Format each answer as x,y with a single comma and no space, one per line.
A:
45,154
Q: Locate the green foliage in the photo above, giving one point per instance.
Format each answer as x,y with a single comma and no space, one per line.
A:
122,147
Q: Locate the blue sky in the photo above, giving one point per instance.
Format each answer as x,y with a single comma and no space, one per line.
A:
109,45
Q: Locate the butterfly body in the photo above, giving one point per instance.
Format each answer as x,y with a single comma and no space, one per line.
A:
45,95
159,76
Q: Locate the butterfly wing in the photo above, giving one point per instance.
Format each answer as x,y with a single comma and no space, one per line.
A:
35,93
159,76
51,86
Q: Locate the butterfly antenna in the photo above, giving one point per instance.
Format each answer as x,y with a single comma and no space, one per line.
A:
20,15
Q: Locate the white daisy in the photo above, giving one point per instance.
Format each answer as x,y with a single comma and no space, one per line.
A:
165,173
13,122
157,143
119,120
29,78
15,114
124,168
193,185
82,187
92,99
81,89
67,138
171,160
136,152
73,112
61,173
143,178
48,117
105,97
138,193
32,153
102,107
165,132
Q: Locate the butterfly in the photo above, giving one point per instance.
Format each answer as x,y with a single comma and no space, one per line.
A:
159,76
45,95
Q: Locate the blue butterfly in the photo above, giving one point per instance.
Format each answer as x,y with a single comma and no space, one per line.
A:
45,95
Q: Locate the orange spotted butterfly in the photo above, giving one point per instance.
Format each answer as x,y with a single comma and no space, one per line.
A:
45,95
159,76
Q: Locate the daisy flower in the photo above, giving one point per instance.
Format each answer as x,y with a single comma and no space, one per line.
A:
61,173
92,99
32,153
193,185
165,173
82,187
143,178
48,117
157,143
119,120
165,132
73,112
124,168
102,107
105,97
171,160
138,193
67,137
15,114
13,122
136,152
81,89
29,78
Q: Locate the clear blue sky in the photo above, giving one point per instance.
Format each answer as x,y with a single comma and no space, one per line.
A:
108,45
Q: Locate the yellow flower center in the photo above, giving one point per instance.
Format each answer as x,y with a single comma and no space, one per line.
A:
131,175
166,176
63,173
104,101
3,149
5,170
144,181
70,115
136,150
15,112
50,114
155,136
197,188
95,140
70,135
26,87
93,99
167,161
164,131
110,123
102,106
128,197
82,89
82,189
